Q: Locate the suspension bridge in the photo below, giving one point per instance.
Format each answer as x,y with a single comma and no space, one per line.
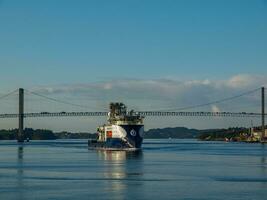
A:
21,115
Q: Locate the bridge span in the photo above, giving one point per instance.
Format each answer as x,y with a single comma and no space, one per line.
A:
142,113
21,114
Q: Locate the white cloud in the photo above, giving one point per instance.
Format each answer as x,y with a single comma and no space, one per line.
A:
159,93
245,80
215,108
154,94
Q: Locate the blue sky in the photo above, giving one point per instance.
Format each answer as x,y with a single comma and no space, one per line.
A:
76,44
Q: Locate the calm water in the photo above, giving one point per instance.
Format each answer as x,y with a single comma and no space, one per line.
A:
165,169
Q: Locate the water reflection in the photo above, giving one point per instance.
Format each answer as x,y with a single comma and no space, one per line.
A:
263,159
20,183
120,155
122,167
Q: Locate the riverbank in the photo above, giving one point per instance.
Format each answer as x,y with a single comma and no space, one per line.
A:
43,134
236,134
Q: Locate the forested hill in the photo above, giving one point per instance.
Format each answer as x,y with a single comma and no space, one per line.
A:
177,132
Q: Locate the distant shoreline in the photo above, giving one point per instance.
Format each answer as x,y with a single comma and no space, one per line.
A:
161,133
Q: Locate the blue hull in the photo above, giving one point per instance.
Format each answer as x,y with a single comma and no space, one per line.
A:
133,140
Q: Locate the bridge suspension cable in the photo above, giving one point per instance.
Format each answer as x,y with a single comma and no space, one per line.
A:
172,112
56,100
210,103
8,94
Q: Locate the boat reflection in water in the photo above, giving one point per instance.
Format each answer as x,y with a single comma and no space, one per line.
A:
120,155
121,168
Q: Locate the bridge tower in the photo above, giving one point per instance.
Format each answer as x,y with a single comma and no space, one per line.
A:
262,115
20,137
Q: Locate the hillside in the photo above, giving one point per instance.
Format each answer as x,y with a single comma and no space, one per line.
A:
177,132
40,134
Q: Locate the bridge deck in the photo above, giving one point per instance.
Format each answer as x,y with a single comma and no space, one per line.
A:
142,113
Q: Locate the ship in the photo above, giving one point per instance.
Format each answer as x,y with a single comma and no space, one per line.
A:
124,130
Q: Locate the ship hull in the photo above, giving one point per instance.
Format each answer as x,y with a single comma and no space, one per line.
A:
131,139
